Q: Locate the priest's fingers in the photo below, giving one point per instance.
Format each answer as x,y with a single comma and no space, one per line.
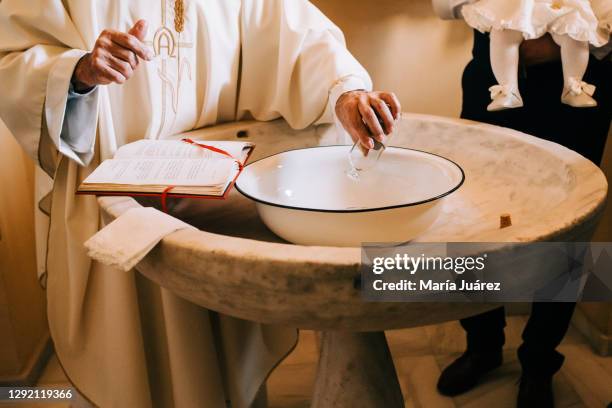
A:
139,30
359,132
370,119
384,113
132,43
392,102
348,113
107,75
121,67
126,55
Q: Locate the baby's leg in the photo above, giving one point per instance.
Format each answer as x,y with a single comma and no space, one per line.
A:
574,55
575,58
505,56
505,62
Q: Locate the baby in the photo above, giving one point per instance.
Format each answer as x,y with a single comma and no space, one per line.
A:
572,24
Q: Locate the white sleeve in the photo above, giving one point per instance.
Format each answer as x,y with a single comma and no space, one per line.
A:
308,64
78,134
39,48
341,86
449,9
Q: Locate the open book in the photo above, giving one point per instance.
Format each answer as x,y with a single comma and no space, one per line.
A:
150,167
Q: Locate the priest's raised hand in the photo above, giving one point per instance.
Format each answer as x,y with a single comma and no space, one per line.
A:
113,59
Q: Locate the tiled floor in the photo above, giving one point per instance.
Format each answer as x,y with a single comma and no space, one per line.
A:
419,354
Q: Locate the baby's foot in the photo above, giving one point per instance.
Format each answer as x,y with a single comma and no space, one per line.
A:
504,97
578,94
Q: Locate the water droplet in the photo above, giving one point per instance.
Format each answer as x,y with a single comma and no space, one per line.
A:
353,174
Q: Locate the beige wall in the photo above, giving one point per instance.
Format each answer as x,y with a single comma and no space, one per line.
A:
407,49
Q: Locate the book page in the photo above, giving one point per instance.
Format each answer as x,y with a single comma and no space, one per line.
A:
179,149
164,172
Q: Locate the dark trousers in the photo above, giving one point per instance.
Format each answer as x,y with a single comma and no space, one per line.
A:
582,130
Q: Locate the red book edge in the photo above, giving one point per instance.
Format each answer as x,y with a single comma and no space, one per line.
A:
173,195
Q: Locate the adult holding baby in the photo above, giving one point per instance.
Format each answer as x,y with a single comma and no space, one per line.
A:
548,111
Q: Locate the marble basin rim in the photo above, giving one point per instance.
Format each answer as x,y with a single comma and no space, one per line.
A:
253,277
306,197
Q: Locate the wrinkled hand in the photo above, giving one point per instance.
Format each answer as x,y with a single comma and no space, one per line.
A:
114,58
539,51
367,115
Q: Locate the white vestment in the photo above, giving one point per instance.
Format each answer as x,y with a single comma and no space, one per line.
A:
121,340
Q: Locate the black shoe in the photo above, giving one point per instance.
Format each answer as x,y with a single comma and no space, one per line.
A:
464,373
535,392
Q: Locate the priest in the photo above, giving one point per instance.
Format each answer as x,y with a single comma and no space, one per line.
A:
82,77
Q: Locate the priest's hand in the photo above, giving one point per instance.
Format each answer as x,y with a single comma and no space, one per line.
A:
114,58
367,115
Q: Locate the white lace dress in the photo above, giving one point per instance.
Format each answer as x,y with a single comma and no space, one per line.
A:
534,18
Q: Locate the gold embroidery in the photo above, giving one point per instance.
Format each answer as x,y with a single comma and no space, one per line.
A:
167,45
179,16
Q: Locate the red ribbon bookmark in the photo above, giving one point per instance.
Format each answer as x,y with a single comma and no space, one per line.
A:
164,195
214,149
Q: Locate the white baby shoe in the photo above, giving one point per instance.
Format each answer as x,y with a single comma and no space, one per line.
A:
504,97
578,94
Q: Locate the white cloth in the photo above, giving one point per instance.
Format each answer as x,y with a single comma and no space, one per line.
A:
534,18
121,340
128,239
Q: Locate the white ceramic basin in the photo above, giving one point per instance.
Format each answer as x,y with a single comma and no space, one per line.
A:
306,197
